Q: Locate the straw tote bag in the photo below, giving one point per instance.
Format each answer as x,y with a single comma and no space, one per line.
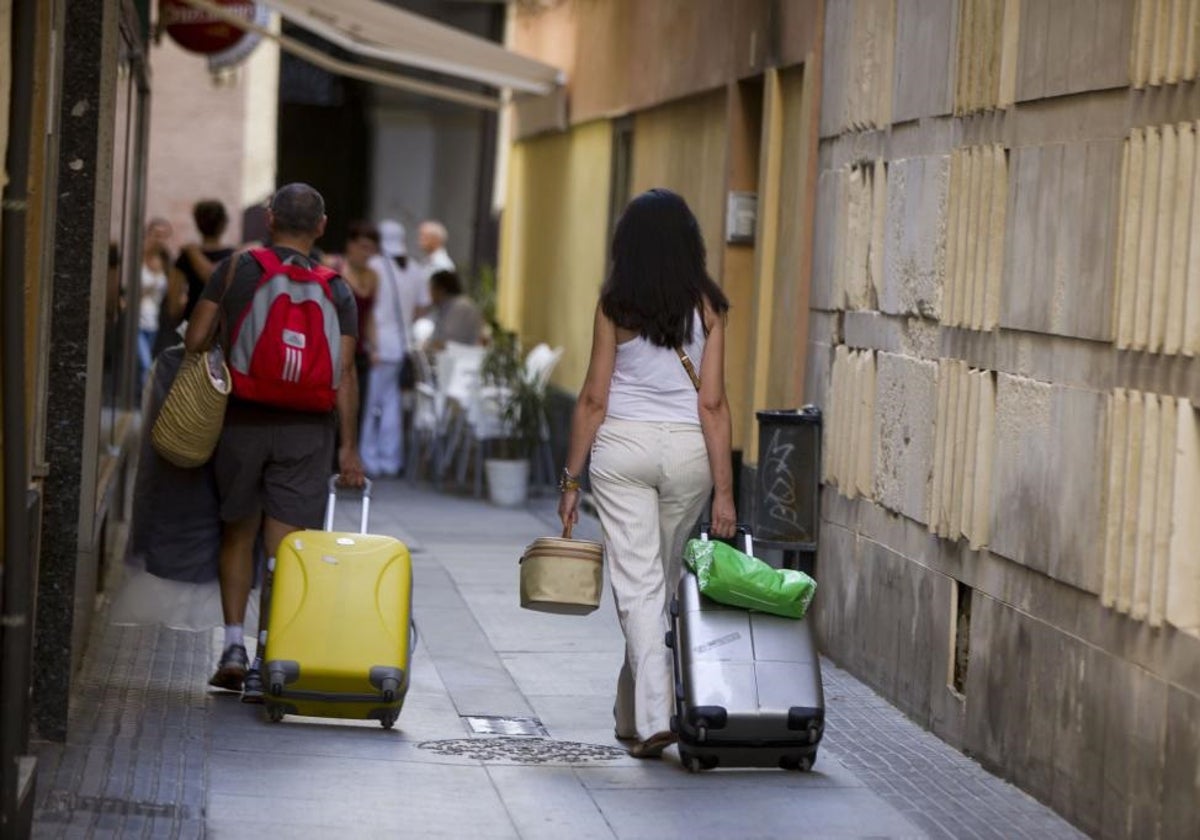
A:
193,412
562,576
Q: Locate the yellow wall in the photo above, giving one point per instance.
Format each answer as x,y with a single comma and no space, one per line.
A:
784,246
681,146
789,328
553,242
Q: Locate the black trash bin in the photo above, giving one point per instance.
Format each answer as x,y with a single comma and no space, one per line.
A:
787,484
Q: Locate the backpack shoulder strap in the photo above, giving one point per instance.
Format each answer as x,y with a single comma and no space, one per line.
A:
272,266
324,272
267,259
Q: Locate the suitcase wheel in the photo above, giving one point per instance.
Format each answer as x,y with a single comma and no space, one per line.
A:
695,763
801,763
275,713
277,680
389,719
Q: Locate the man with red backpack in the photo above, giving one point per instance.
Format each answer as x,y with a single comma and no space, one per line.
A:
288,326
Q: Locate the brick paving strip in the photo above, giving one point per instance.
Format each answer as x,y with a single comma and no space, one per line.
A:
948,794
135,763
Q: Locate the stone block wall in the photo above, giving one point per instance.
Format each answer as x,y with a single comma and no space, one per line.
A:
1159,227
1165,38
1004,337
1151,571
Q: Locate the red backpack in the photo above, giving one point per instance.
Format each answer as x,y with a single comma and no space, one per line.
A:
285,348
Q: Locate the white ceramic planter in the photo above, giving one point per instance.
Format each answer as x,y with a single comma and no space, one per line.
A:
508,481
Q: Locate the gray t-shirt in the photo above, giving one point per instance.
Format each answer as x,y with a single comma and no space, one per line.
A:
246,275
458,319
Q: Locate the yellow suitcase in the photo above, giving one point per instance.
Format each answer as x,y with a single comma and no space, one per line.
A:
339,634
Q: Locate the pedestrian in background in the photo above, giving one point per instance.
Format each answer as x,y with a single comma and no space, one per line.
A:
402,293
455,316
659,437
362,243
193,268
156,264
196,260
432,237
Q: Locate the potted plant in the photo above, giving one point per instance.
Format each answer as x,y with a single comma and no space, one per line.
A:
517,407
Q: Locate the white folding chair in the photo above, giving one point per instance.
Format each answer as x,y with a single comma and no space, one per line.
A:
459,372
425,428
421,331
539,365
485,422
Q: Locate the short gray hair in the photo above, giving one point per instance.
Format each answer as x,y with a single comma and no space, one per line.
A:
297,208
437,229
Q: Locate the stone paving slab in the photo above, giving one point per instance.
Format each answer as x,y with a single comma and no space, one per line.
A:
757,812
152,752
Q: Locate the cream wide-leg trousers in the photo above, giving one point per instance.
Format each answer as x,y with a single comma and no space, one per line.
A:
650,481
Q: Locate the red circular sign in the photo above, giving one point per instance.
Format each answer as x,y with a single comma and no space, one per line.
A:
199,31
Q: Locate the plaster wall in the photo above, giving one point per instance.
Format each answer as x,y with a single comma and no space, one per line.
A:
681,146
210,137
793,255
617,63
553,244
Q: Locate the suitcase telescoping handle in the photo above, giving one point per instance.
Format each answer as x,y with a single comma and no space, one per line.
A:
742,531
366,503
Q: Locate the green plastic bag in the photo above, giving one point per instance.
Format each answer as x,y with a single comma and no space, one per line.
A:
731,577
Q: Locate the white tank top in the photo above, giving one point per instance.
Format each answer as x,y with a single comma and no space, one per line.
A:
649,383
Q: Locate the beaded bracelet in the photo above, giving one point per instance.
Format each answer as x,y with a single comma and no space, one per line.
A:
567,482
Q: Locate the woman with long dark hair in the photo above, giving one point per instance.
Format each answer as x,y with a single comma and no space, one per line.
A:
654,416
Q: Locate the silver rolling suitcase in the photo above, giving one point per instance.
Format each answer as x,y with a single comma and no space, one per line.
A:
747,684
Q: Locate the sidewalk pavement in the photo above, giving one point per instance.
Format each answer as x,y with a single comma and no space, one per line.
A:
152,752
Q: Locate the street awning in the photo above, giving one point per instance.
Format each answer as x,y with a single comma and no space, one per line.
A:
374,30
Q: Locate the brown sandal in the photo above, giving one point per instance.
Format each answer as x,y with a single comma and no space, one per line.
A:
653,746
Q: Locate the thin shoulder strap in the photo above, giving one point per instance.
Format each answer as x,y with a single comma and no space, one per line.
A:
686,361
220,327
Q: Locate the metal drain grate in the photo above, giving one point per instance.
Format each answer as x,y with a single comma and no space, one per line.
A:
496,725
524,750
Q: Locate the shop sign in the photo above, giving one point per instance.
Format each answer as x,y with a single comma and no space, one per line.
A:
240,51
198,31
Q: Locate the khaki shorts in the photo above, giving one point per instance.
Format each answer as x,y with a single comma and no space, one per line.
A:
281,469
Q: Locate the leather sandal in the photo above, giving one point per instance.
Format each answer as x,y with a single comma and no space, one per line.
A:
653,746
